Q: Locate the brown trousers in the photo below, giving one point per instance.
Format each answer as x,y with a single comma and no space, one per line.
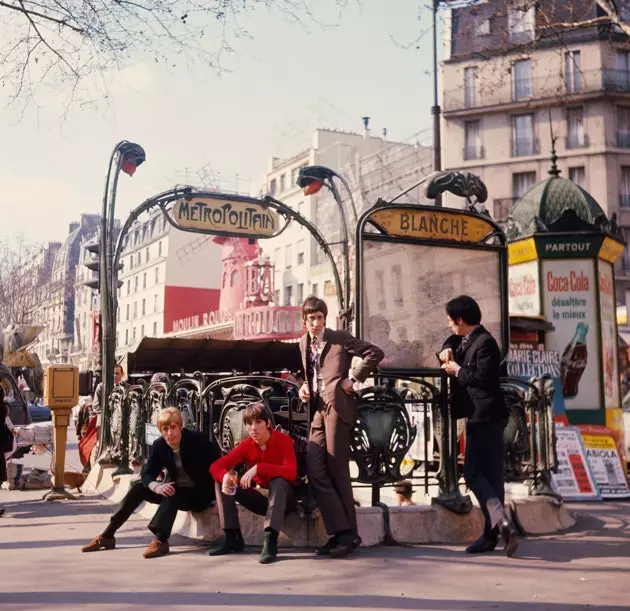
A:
280,502
327,458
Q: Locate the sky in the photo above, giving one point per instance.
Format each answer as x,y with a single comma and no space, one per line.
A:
281,82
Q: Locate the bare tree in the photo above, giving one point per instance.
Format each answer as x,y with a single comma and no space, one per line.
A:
69,42
22,281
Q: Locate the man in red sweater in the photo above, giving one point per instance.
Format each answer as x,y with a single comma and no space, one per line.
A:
269,457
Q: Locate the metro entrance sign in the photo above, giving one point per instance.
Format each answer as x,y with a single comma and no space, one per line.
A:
244,217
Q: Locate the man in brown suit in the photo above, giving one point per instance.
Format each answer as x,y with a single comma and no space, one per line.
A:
327,359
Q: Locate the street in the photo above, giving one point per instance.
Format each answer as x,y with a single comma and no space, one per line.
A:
42,568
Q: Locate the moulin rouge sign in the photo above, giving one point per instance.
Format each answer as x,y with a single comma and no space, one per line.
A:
269,322
246,216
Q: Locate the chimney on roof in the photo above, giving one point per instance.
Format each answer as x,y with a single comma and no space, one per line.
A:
366,125
384,133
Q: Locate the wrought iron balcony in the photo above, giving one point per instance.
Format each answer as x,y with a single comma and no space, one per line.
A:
623,140
473,152
503,90
522,147
576,141
501,208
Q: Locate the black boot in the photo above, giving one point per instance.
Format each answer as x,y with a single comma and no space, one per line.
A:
269,551
233,543
325,549
486,543
510,536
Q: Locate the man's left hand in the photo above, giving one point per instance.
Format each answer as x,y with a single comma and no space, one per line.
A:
347,386
451,368
246,480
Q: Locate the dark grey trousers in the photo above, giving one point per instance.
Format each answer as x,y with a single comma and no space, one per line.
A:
280,502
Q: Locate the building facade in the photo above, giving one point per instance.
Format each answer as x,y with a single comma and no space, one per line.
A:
513,79
168,278
57,309
373,167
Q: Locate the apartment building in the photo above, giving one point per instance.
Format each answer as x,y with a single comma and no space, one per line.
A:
512,81
56,310
373,167
168,277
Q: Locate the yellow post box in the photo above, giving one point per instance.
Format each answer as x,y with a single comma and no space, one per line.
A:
61,394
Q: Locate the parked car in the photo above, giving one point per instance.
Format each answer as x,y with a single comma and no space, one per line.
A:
39,412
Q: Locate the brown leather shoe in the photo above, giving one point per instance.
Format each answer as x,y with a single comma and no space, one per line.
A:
99,543
157,548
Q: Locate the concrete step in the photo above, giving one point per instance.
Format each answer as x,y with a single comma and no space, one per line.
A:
418,524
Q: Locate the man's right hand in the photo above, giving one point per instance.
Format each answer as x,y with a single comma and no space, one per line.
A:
304,394
446,355
165,489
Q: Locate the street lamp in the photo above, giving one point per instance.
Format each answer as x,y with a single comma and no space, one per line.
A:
311,179
126,157
435,109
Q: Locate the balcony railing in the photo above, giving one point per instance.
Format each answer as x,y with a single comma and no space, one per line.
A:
473,152
623,140
501,208
504,90
576,141
522,147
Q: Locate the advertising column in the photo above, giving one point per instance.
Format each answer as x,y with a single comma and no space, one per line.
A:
609,334
569,304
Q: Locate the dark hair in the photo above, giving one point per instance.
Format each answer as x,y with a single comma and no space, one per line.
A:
464,307
314,304
256,411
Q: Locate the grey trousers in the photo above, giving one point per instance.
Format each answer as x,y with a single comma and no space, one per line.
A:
280,502
327,458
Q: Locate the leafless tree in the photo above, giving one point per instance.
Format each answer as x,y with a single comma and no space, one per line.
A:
22,281
71,42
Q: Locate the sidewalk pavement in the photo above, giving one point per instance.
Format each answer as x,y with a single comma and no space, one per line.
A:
42,567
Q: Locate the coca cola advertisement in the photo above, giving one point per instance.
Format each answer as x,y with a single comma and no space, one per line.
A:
569,298
609,334
524,289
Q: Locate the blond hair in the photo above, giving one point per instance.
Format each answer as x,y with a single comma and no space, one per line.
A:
169,414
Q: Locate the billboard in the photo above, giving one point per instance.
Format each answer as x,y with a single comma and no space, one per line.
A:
569,300
405,289
524,289
608,312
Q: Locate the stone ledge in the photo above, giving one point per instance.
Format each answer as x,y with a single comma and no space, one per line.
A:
420,524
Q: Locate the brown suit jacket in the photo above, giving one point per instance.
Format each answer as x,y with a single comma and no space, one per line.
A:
336,360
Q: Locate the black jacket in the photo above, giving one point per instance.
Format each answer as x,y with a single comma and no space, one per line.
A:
197,453
476,390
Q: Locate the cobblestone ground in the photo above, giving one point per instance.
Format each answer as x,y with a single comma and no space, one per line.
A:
41,567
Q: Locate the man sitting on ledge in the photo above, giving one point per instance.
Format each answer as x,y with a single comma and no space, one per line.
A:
269,458
186,456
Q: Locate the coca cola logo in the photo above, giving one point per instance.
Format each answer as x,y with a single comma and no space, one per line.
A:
522,287
606,285
573,282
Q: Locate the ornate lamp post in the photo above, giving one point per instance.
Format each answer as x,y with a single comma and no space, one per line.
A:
311,179
126,156
435,109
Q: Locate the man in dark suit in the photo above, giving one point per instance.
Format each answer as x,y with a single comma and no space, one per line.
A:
186,457
327,360
473,359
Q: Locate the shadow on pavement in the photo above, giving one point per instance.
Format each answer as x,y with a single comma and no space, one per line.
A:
284,601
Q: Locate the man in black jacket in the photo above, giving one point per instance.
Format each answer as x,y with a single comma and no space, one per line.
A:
473,359
186,457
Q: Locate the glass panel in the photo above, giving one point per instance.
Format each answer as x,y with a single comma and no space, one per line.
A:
412,330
